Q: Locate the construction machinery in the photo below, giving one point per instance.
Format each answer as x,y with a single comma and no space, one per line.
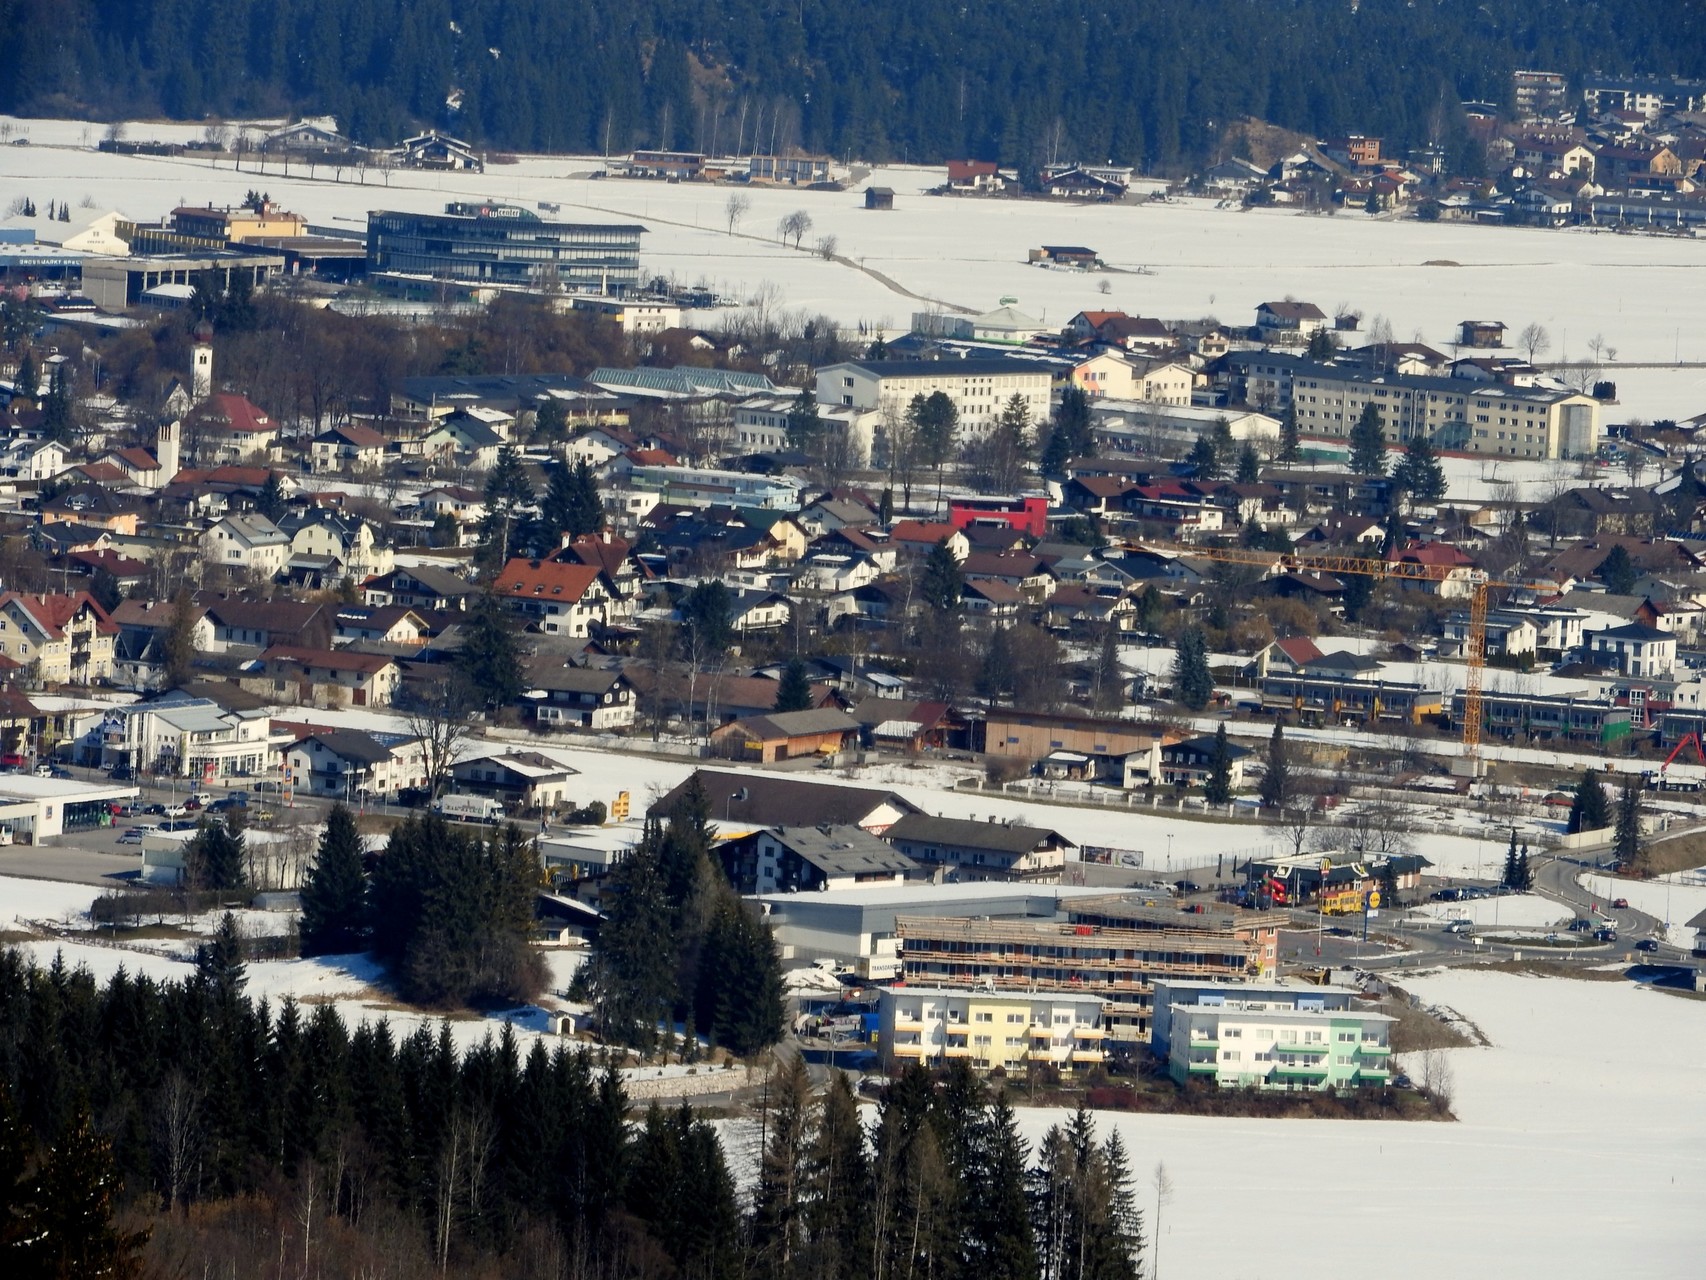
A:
1336,564
1660,780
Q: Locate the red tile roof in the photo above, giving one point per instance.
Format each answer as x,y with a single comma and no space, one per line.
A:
921,531
53,613
544,580
234,413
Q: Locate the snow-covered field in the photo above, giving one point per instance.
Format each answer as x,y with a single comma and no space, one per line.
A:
1177,259
1575,1154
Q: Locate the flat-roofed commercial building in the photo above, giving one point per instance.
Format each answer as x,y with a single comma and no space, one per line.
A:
505,244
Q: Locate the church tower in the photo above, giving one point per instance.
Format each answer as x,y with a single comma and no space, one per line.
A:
201,363
166,450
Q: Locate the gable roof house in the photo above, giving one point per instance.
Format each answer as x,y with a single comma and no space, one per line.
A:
242,544
139,650
351,447
262,624
420,586
1289,322
227,428
556,598
349,764
797,859
348,540
93,507
747,798
561,697
971,850
324,677
68,639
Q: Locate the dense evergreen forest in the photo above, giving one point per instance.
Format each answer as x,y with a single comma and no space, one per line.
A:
181,1129
1150,82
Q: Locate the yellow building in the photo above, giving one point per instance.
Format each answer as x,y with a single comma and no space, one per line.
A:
990,1030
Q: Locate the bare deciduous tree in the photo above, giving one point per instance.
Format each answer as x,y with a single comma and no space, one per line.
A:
177,1136
738,205
795,224
826,246
1534,340
441,717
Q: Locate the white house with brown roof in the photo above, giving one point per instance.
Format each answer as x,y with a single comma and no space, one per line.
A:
228,428
324,677
247,543
1289,321
557,598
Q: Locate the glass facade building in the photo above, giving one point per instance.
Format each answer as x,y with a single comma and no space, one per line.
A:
505,244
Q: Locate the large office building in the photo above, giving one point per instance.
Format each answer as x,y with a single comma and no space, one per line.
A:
980,389
505,244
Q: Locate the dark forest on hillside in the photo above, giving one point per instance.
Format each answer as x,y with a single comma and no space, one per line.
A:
1152,83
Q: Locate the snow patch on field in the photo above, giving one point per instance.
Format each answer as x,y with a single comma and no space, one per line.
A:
1671,900
1517,910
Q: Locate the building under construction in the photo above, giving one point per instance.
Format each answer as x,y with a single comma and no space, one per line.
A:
1118,960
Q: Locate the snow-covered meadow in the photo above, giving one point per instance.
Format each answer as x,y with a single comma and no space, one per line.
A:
1580,1150
1183,258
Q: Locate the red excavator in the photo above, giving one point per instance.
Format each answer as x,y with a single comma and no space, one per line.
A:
1661,781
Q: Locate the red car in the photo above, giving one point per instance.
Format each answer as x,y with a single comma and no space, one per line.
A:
1620,904
12,760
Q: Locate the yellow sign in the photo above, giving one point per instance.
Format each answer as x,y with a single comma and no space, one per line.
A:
619,810
1326,865
1374,899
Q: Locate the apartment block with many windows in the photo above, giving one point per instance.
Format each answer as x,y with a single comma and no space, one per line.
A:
989,1029
1272,1037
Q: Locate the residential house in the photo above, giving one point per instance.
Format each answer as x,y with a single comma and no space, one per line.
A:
92,506
561,697
747,798
800,859
352,447
916,539
523,780
786,735
350,544
247,544
1124,751
556,598
1289,322
1635,649
66,639
976,176
324,677
261,624
352,765
32,460
462,440
139,649
383,624
979,388
227,428
1190,763
970,850
420,586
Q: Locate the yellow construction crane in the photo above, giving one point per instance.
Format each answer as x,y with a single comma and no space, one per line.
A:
1475,646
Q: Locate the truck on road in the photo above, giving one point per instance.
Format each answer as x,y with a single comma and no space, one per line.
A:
469,809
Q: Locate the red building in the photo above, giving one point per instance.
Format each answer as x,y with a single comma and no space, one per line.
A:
1027,515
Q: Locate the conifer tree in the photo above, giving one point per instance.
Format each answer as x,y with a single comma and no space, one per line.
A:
1204,461
1589,810
1420,474
794,690
1001,1244
571,507
1368,443
508,494
1524,872
334,893
551,420
1290,446
270,502
72,1232
219,961
1109,681
778,1217
1193,683
489,657
1249,464
1276,779
942,582
837,1210
1626,839
214,858
1217,789
1509,877
632,974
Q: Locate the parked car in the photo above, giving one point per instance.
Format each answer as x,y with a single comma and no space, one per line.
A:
1646,944
12,760
133,836
226,805
60,771
44,770
122,773
192,804
157,809
174,810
